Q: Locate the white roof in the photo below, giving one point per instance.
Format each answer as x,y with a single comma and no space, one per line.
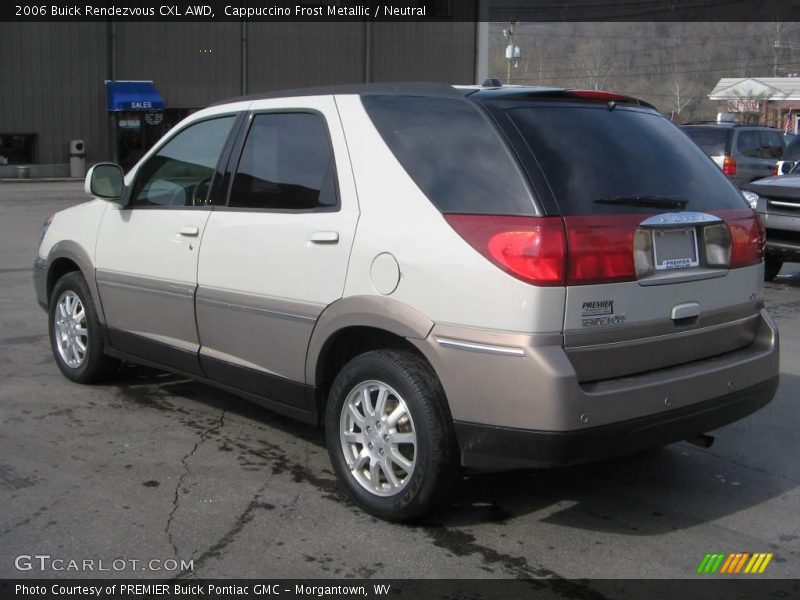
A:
768,88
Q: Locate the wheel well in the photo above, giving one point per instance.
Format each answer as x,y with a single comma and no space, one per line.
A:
348,343
59,268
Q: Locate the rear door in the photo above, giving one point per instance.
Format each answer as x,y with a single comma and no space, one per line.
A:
653,280
277,254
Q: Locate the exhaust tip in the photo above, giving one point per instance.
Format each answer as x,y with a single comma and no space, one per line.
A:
703,440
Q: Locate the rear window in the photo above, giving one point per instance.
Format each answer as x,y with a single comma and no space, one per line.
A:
712,141
452,152
601,161
792,151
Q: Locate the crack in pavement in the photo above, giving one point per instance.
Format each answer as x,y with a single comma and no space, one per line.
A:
186,472
744,466
239,524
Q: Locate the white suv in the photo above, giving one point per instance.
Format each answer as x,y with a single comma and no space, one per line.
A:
443,277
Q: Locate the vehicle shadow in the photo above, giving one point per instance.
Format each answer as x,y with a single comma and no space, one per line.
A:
650,493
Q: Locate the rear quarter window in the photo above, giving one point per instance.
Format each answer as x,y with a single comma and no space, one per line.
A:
453,152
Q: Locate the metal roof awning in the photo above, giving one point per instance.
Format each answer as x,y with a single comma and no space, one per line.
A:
132,95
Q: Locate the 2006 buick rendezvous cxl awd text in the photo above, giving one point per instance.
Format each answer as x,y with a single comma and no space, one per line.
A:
444,277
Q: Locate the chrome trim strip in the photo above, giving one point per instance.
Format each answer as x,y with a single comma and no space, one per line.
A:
166,340
138,288
787,204
482,348
253,309
680,218
238,362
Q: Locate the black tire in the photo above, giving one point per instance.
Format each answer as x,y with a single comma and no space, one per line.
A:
94,364
435,454
772,266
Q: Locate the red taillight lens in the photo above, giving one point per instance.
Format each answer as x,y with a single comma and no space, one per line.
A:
729,165
601,248
748,236
529,248
774,170
552,251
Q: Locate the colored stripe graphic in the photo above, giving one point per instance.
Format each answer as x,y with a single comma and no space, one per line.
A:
702,567
766,562
727,564
735,562
740,564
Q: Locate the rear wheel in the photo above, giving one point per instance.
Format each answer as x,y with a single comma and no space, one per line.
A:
75,335
772,266
390,436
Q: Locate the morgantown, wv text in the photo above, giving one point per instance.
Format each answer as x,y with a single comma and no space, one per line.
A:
194,590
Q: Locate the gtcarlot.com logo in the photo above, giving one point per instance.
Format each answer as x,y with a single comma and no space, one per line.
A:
46,562
735,563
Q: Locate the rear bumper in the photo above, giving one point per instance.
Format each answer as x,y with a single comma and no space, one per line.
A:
517,400
496,448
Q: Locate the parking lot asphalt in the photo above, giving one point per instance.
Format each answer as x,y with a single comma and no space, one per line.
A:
152,466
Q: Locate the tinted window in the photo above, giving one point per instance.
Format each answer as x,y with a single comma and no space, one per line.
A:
180,173
286,164
792,151
748,143
772,144
452,152
592,154
712,141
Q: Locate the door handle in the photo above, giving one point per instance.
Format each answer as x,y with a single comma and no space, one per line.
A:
324,237
189,231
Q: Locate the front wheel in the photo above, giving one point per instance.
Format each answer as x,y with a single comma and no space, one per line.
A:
389,435
75,335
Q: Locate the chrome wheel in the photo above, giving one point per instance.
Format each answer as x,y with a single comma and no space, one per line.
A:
378,438
71,333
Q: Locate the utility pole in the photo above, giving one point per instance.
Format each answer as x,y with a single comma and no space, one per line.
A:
513,52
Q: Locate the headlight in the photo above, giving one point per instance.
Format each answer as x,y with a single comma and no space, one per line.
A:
751,197
45,227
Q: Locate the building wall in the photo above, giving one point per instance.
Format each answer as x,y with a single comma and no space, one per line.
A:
52,74
51,83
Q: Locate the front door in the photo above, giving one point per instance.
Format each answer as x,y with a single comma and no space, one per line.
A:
147,251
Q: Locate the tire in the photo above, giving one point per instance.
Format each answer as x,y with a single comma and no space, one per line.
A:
76,337
772,266
392,480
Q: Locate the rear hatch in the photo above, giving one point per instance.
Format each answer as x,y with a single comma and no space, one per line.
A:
662,252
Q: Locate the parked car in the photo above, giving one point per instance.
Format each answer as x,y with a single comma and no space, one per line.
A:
789,159
743,152
778,203
443,278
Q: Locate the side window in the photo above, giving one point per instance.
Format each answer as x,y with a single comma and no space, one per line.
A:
749,143
771,144
287,164
180,173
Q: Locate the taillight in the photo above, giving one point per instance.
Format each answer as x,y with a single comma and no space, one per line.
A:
729,165
774,170
748,236
601,248
551,251
529,248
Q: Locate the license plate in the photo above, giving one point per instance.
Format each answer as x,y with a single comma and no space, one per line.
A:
675,249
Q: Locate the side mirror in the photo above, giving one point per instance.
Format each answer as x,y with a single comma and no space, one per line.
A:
105,180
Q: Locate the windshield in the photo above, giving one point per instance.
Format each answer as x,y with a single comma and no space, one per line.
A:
590,154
